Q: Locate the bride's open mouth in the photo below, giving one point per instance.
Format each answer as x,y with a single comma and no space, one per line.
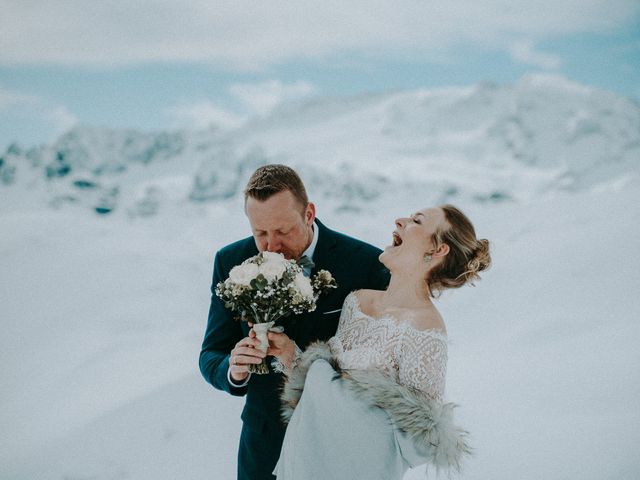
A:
397,241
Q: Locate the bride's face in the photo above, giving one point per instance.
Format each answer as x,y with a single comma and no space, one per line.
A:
411,240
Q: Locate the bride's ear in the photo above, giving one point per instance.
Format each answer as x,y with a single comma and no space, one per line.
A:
441,251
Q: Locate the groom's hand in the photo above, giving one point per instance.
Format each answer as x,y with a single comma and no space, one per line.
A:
243,355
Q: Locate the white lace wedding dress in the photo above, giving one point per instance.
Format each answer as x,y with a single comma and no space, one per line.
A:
415,358
333,432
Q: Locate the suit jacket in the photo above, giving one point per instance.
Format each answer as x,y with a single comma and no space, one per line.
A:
353,263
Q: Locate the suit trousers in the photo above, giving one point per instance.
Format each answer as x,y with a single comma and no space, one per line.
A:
259,451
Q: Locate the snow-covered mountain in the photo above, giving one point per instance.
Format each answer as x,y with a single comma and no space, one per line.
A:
541,135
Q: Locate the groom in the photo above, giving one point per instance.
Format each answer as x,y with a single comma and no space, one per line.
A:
282,220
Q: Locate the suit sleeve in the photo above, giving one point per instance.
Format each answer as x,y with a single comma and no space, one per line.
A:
221,336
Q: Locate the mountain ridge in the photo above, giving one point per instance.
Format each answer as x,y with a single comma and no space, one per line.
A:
479,143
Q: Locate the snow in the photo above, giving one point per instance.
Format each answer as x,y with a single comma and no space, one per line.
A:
103,315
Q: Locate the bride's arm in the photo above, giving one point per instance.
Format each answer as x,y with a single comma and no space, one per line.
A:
423,364
286,352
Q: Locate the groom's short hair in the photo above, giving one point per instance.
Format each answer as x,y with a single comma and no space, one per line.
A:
275,178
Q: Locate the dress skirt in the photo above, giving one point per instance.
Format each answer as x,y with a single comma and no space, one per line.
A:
333,435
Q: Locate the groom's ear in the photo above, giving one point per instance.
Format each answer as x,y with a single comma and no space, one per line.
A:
310,213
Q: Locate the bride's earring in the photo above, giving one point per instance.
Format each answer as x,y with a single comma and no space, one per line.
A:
427,258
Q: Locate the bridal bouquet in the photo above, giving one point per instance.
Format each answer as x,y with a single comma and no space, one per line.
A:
267,287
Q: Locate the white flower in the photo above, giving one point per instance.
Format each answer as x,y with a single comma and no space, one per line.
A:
273,270
237,290
269,257
243,274
303,284
277,298
324,276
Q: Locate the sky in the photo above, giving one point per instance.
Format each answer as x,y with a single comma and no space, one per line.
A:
157,65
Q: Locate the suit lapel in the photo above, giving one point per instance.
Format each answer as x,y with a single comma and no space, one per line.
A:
325,258
324,254
304,325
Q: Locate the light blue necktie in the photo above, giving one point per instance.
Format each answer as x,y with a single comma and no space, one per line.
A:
307,265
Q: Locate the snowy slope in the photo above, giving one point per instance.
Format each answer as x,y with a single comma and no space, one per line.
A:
104,327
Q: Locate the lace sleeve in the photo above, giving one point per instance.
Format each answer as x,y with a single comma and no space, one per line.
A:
279,367
423,362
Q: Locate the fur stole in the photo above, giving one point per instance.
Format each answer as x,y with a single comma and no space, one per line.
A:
427,422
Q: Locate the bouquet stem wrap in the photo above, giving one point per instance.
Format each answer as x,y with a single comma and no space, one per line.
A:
261,330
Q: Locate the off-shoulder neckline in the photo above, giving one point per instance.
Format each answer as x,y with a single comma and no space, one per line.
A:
391,319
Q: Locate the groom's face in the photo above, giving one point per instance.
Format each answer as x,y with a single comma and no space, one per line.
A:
280,224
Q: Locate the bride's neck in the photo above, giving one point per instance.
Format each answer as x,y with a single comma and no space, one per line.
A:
406,291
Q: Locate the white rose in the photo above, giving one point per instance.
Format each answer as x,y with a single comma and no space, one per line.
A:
243,274
272,270
303,284
273,257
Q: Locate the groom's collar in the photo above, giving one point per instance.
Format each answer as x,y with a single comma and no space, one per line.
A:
323,256
312,246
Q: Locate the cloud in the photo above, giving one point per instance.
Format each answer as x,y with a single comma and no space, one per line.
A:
23,114
255,99
10,99
253,35
262,98
524,52
60,118
202,115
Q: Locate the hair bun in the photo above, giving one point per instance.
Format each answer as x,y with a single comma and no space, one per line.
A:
467,255
481,258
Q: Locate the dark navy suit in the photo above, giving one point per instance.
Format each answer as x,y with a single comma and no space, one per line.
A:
354,264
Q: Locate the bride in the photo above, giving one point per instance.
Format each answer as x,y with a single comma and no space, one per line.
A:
373,405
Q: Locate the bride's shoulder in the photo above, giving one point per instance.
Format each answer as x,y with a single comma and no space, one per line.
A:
365,297
367,293
427,319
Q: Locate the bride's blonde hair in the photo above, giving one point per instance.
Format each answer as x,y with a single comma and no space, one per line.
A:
467,255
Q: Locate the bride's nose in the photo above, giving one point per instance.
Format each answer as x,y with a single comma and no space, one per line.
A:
400,222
